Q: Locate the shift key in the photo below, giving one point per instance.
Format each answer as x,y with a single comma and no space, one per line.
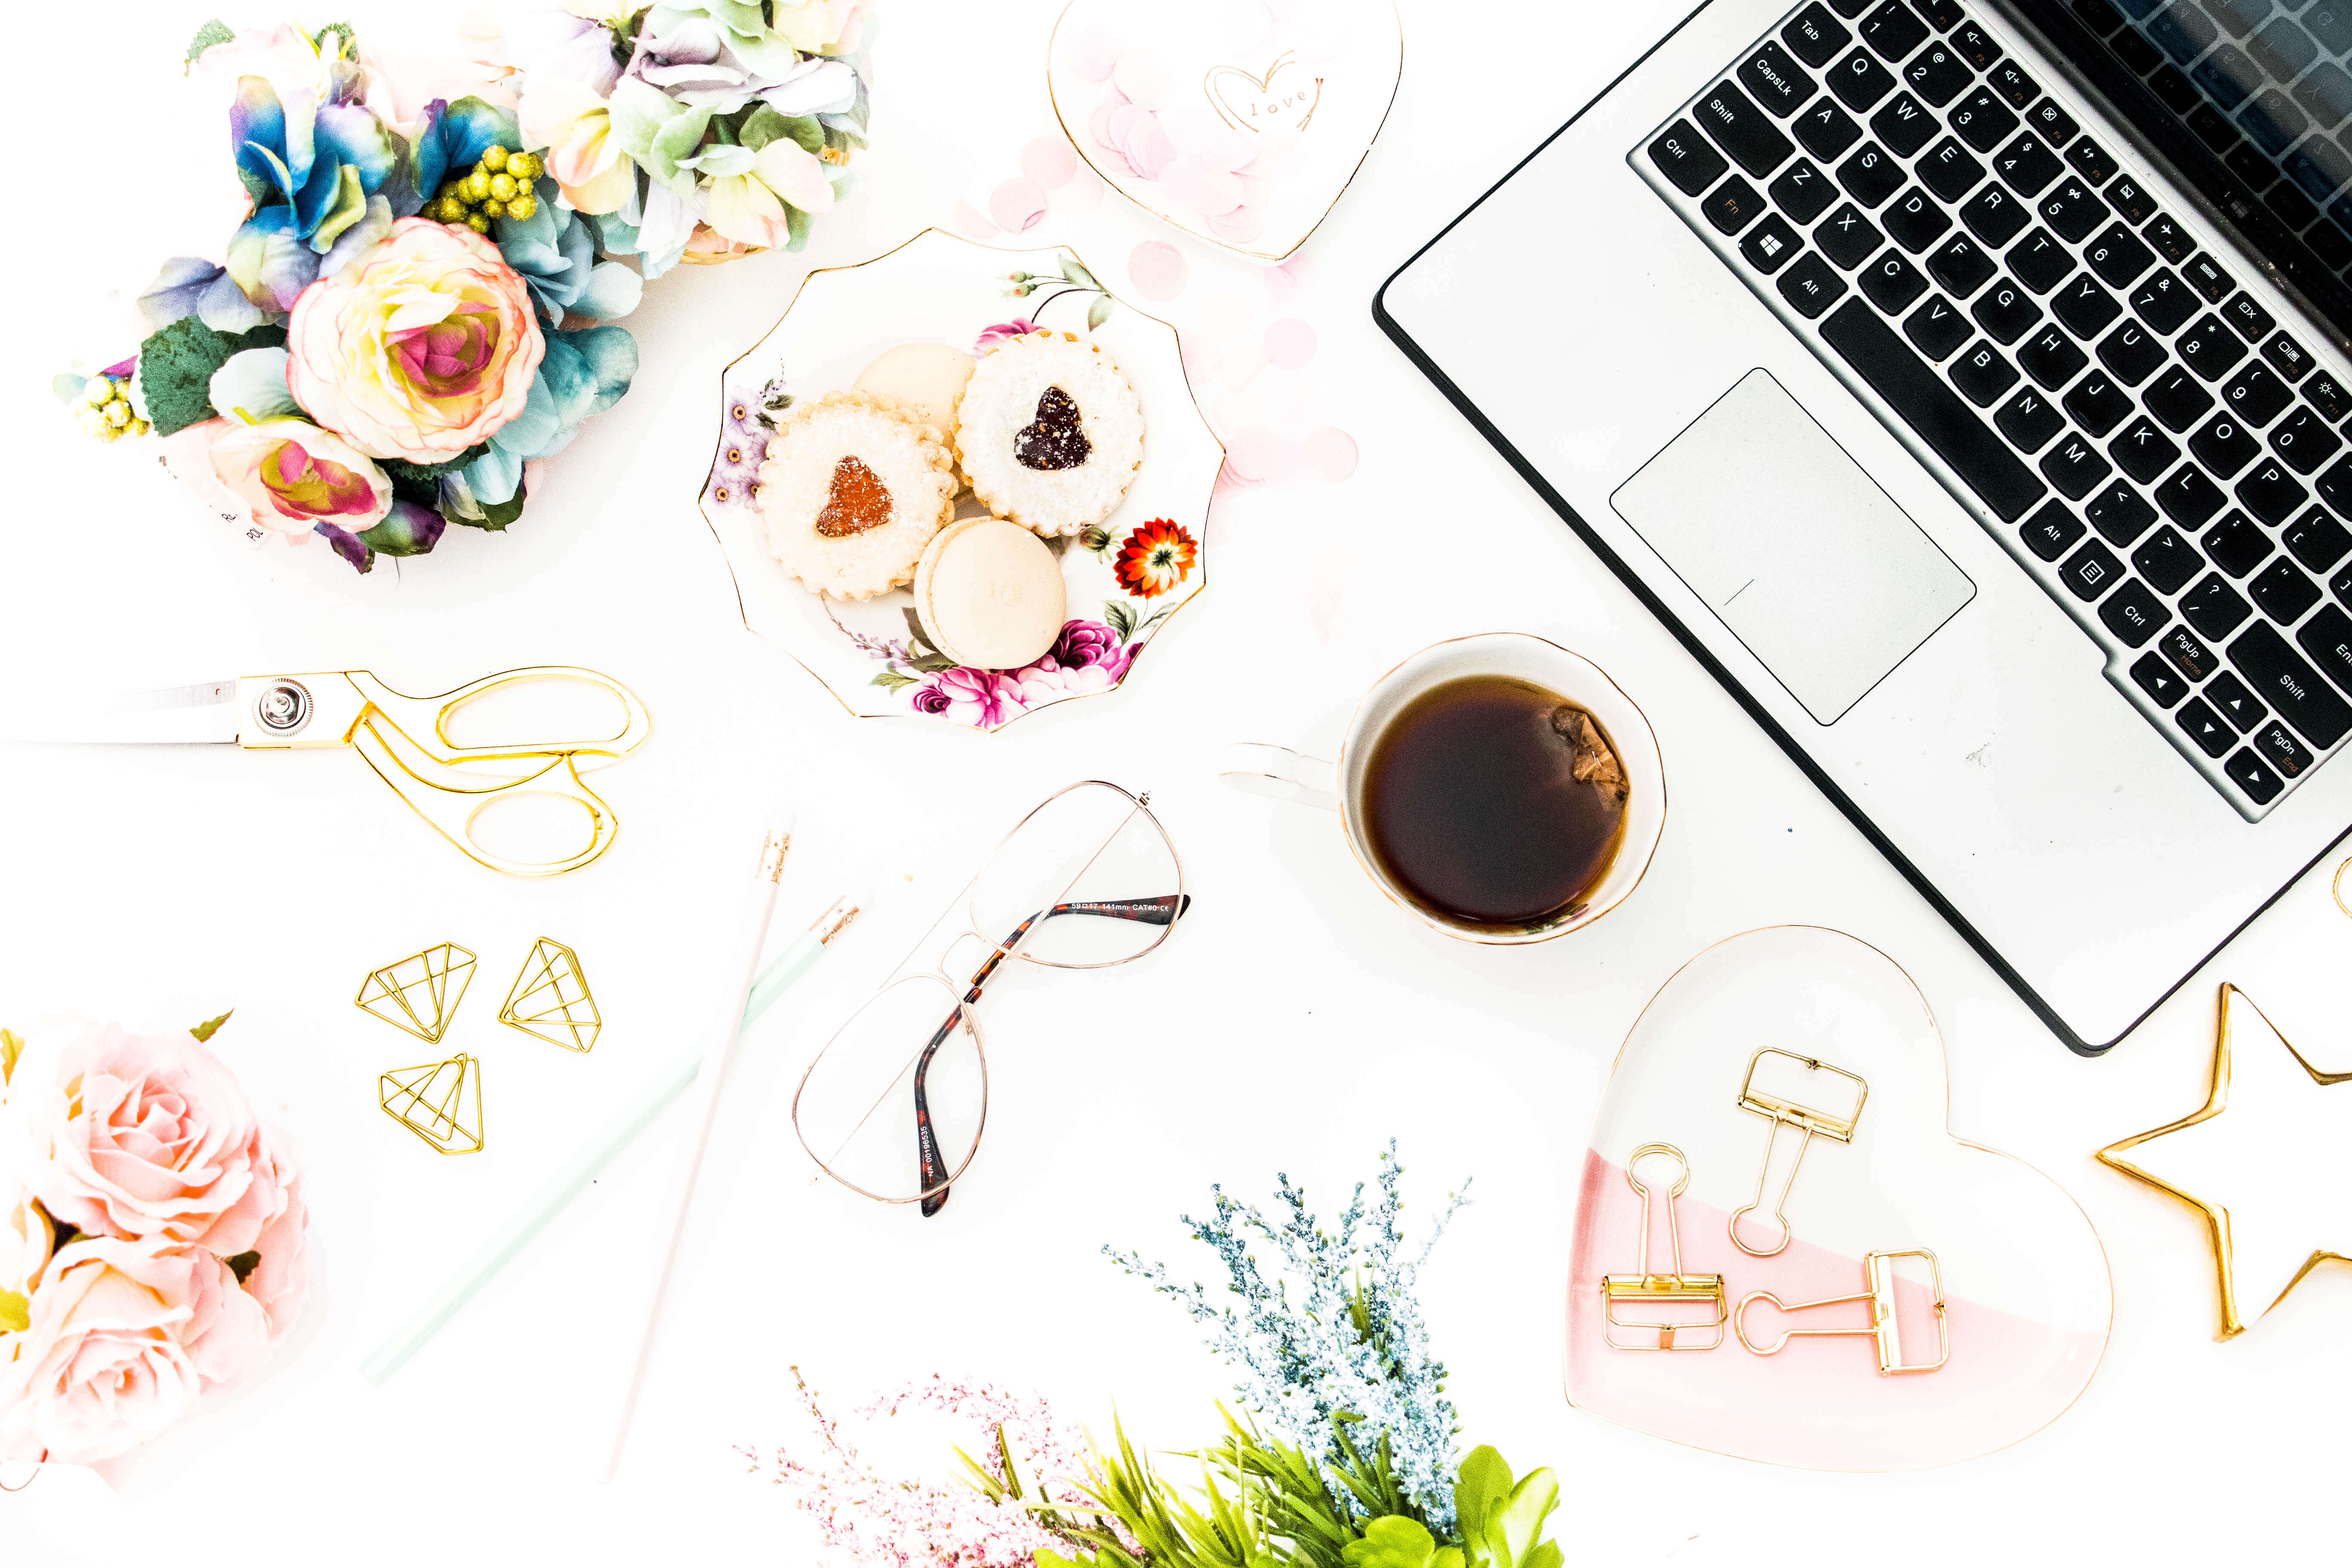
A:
1741,129
2280,678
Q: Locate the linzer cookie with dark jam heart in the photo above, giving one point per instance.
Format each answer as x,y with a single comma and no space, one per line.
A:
1050,432
852,488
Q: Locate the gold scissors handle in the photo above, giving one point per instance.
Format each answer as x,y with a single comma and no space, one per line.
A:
451,801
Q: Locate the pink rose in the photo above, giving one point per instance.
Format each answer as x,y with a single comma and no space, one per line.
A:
982,698
280,1280
422,345
292,476
136,1136
103,1366
25,1239
1048,678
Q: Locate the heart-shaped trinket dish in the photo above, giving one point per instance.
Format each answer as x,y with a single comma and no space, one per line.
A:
1237,120
1829,1278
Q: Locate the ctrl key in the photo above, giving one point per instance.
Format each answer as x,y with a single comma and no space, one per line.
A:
1682,155
1812,285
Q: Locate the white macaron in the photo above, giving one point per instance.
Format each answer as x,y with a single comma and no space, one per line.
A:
989,593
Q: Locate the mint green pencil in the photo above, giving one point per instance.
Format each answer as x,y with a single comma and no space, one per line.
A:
775,980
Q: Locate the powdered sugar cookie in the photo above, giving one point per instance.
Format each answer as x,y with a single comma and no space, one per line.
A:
1050,432
852,488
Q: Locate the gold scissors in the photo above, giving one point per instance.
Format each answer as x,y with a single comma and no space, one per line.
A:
405,738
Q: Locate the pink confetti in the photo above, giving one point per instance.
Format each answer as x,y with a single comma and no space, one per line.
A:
1257,190
1238,227
1193,126
1242,362
966,220
1261,455
1016,205
1149,149
1157,269
1230,150
1099,124
1217,194
1093,52
1291,343
1181,183
1121,124
1232,479
1081,196
1145,78
1330,454
1050,160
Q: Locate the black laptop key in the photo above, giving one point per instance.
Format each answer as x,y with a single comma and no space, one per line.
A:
2237,543
1814,36
2335,485
2026,165
1869,175
2040,262
1942,14
1683,156
2013,84
1961,264
1950,169
1811,285
2201,724
1914,220
2163,301
1892,29
2283,49
2246,161
2072,210
2099,404
1919,398
2051,531
1938,75
2222,445
2189,498
1975,46
1826,130
2057,127
2177,399
2282,751
2166,560
1772,244
1732,205
2209,348
2159,679
2227,77
2051,358
2030,420
2205,276
1846,236
2143,450
2075,468
2332,25
2318,167
2295,690
2171,241
2256,395
2234,701
1803,191
2132,351
2287,357
2006,312
2133,613
2271,493
2281,591
1891,282
1859,80
1938,327
2288,206
2192,658
2316,540
2327,394
2179,93
2182,31
2130,200
2119,513
2091,160
1732,120
1984,377
2246,313
1904,124
2214,607
1776,81
2326,94
1994,216
2327,638
2091,572
2084,307
2119,258
2246,771
2239,16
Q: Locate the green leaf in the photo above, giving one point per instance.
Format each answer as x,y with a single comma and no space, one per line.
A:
765,124
496,515
176,365
893,680
1121,619
1547,1555
797,222
1098,313
213,31
935,663
1075,272
15,1313
1397,1541
210,1027
12,1046
1480,1491
243,1265
916,635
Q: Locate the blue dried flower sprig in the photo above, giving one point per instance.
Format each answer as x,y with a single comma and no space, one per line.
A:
1352,1347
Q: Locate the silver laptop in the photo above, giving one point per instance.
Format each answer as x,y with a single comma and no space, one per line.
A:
1965,382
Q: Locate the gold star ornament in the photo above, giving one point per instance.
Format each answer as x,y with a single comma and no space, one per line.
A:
2277,1167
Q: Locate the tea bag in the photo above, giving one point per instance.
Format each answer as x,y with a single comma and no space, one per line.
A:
1595,763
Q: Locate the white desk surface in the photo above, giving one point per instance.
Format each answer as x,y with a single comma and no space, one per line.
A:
1295,1023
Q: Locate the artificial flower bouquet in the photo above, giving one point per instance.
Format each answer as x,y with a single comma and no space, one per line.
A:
1346,1455
151,1237
421,300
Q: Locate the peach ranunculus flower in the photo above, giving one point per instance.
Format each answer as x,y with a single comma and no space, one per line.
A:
292,475
27,1238
103,1362
422,346
575,126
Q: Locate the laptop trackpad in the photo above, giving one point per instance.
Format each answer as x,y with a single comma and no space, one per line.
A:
1824,578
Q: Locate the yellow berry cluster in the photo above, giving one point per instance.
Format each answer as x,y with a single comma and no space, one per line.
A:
105,413
500,185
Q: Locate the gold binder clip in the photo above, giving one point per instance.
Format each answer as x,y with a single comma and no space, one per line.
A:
1878,1268
1777,1101
1664,1293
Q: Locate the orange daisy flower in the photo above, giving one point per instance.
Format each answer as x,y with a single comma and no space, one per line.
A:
1156,557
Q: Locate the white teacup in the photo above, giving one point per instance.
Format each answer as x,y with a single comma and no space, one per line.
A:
1285,774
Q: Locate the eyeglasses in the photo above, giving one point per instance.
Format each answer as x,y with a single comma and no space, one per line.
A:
893,1106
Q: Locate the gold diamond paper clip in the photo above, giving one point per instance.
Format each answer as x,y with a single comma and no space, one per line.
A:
441,1102
551,1000
420,994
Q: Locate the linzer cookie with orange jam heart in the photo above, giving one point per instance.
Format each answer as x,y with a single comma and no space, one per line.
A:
853,486
1050,432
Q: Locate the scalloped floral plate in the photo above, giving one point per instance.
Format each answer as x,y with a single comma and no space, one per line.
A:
1125,576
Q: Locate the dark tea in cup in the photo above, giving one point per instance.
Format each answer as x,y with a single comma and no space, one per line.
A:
1494,801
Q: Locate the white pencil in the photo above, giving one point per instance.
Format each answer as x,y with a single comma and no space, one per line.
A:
709,1083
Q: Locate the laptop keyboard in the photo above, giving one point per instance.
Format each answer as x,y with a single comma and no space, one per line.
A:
2138,429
